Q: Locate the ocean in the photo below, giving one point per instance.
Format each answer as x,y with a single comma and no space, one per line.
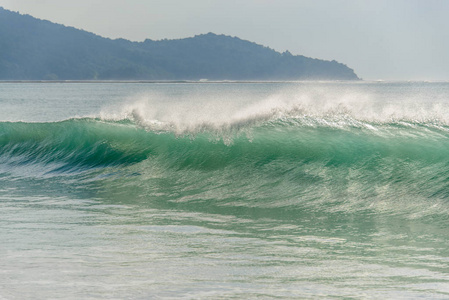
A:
226,190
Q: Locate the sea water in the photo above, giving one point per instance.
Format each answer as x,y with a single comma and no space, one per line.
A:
224,190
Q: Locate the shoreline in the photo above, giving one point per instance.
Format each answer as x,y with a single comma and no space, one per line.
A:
220,81
172,81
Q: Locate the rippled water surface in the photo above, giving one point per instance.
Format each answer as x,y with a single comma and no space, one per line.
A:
224,190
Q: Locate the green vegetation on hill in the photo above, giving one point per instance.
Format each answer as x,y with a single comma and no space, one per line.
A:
33,49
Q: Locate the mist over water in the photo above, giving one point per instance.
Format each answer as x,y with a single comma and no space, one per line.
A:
224,190
219,107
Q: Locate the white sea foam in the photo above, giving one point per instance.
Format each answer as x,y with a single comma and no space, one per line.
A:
338,104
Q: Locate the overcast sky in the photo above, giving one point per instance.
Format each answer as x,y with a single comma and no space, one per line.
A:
379,39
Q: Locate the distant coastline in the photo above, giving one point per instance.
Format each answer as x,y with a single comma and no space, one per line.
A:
171,81
36,50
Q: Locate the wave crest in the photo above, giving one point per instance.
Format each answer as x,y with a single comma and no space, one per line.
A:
228,113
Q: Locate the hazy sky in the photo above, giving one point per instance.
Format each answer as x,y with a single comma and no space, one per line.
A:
379,39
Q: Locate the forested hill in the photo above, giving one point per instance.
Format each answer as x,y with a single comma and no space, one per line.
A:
33,49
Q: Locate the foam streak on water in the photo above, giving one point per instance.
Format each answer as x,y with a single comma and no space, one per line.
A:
272,190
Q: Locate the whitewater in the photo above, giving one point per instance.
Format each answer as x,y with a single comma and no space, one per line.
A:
224,190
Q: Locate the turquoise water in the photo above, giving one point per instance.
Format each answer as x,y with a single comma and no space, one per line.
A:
224,190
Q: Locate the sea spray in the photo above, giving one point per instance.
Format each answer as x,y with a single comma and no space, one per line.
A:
239,190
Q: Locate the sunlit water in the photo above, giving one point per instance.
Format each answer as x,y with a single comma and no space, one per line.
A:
224,190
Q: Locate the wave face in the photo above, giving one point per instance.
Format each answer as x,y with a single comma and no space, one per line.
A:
279,161
268,190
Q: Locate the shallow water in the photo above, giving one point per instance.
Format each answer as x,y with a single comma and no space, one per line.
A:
224,190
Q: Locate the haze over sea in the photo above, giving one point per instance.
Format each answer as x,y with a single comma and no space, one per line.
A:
224,190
